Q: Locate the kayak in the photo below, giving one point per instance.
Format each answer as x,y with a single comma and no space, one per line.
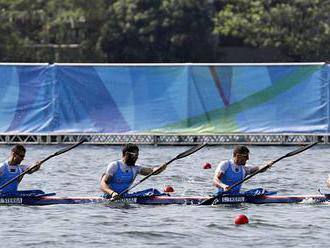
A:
51,199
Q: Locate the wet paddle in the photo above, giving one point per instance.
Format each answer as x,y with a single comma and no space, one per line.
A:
181,155
210,200
42,161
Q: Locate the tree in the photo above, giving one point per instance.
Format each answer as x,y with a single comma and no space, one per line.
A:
157,31
300,28
46,31
9,43
160,30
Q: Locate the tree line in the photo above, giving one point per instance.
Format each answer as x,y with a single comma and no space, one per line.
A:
164,31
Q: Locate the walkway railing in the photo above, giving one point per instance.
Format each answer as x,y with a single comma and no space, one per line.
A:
165,139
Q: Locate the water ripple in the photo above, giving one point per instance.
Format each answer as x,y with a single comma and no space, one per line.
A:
77,173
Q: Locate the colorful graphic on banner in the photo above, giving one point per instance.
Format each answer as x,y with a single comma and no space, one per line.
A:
197,99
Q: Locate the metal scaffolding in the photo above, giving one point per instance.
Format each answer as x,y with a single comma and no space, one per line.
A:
164,139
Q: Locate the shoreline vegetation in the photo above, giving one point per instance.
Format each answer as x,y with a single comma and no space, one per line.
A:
164,31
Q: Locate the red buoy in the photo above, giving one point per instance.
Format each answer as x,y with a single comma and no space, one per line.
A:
241,219
207,166
168,189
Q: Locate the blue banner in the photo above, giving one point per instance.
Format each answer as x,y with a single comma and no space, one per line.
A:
199,99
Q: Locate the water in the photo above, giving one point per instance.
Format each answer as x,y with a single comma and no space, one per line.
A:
77,173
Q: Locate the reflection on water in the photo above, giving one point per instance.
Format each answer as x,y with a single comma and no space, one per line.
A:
77,173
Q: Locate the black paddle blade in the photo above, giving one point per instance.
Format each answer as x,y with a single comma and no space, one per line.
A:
301,149
42,161
190,151
208,201
304,148
70,147
181,155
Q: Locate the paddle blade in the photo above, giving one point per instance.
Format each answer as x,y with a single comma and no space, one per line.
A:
190,151
42,161
301,149
70,147
208,201
181,155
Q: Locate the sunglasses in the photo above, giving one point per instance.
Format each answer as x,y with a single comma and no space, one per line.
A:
242,155
134,154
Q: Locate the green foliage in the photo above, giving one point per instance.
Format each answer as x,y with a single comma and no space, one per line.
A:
300,28
9,43
160,30
157,31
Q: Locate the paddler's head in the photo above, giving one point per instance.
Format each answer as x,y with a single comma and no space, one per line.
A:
130,154
17,154
241,155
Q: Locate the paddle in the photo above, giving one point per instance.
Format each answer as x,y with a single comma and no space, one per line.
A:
210,200
42,161
181,155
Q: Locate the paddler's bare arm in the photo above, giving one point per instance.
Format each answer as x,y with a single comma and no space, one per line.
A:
262,168
104,186
34,167
146,171
218,183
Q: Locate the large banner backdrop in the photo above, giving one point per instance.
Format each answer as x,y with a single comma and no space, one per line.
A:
199,99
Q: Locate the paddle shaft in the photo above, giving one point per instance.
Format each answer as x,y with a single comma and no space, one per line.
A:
273,162
210,200
41,162
253,174
181,155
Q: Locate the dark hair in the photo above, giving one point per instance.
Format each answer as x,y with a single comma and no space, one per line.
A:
18,149
241,150
130,148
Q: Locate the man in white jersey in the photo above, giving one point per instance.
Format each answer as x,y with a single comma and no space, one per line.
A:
233,171
120,174
13,167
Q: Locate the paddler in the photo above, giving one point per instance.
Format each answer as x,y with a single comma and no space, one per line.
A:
328,181
120,174
234,170
13,167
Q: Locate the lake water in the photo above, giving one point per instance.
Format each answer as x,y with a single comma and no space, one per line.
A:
77,173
